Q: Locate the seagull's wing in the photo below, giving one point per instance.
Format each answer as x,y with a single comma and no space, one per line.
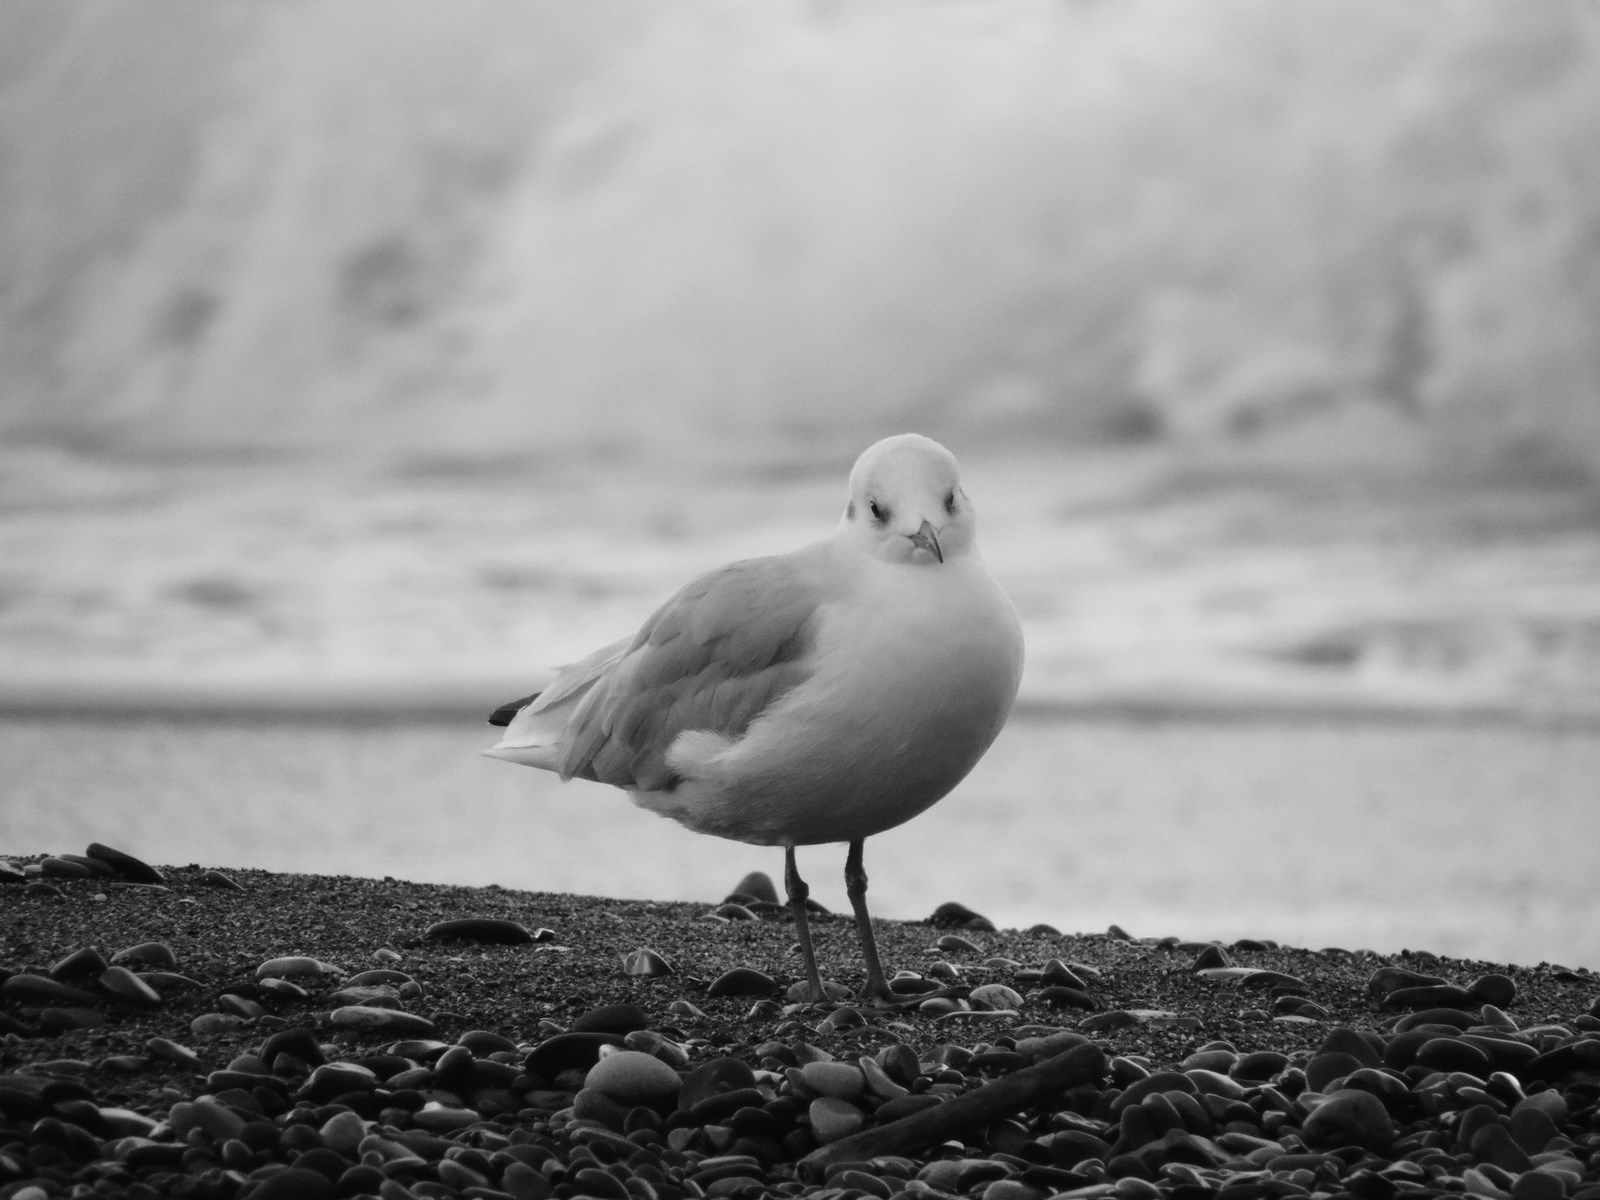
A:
712,658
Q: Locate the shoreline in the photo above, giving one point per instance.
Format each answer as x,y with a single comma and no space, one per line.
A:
1269,1069
356,698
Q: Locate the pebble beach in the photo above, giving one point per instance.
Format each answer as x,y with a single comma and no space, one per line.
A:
179,1031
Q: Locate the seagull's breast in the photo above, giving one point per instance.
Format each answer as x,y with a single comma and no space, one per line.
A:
913,673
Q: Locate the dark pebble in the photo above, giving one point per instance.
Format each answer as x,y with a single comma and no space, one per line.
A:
566,1052
620,1019
1438,995
1350,1118
1498,990
742,981
293,1183
80,964
1454,1054
125,864
479,929
952,915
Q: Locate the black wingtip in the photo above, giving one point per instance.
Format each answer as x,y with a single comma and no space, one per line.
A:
503,714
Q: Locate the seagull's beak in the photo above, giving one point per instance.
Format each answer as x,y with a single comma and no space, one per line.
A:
927,537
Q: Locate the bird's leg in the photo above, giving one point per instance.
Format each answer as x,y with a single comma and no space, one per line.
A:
855,886
798,893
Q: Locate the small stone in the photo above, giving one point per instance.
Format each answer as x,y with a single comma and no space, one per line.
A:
293,1183
622,1018
715,1077
11,873
215,1024
172,1052
645,963
566,1052
954,943
995,996
128,987
80,964
1495,989
1349,1118
147,954
1389,979
633,1077
55,867
742,981
1210,957
1437,995
838,1079
335,1079
125,864
832,1118
220,880
952,915
293,966
1455,1054
343,1132
479,929
755,886
27,988
388,1021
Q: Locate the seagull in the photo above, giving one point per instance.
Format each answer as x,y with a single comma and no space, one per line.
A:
801,699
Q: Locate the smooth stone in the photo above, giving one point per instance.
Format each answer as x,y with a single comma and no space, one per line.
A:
343,1132
757,885
1351,1117
147,954
714,1077
954,943
832,1118
484,1042
1057,972
1498,990
1259,1065
125,864
839,1079
645,963
566,1052
382,1020
1538,1185
1388,979
1455,1054
213,1024
742,981
336,1078
80,964
217,1121
240,1006
55,867
173,1052
1061,996
59,1018
1439,995
293,1183
11,873
622,1018
633,1077
222,880
953,915
1495,1143
376,976
438,1118
591,1104
28,988
995,996
296,1041
1212,956
499,930
1342,1039
377,995
128,987
292,966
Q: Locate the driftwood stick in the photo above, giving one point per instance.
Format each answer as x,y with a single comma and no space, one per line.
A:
964,1113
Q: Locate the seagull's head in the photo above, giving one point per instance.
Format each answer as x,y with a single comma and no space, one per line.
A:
906,503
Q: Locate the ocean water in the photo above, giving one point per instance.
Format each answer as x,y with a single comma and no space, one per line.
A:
1478,840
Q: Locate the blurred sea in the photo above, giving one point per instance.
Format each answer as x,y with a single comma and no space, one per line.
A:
1475,840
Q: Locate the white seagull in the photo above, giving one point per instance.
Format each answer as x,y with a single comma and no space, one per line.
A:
819,696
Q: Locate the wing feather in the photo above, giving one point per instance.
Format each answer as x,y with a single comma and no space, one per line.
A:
713,657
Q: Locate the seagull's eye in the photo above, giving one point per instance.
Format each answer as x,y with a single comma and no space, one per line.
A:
879,513
950,501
